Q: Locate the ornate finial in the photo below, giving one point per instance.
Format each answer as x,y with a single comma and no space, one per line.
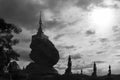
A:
40,25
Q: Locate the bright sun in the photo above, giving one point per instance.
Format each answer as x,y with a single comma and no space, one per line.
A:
102,19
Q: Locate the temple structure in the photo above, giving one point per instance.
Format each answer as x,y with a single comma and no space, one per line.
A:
68,70
109,71
44,55
94,74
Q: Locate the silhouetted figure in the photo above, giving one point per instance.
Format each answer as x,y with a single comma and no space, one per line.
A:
68,70
44,56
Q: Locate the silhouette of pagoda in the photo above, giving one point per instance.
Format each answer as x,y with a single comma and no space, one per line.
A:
109,71
109,74
44,56
68,70
94,74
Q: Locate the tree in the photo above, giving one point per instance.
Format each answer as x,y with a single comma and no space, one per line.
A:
7,31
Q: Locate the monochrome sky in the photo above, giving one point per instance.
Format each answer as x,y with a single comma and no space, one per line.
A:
88,30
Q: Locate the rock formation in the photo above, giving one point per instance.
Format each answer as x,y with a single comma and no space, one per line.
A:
44,55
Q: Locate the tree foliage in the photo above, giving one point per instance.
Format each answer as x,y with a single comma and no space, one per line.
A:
7,31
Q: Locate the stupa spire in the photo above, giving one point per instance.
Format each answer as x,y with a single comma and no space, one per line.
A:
94,74
68,70
40,25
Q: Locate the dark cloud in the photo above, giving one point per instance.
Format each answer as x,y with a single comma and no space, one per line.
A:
103,40
76,56
117,55
119,62
92,42
100,52
53,23
117,47
116,29
116,6
116,32
66,47
88,66
52,4
22,12
25,12
85,3
90,32
58,36
100,62
69,47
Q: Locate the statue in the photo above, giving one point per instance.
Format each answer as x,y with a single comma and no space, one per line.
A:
44,56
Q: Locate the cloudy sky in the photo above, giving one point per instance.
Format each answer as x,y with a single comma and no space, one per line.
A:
89,30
